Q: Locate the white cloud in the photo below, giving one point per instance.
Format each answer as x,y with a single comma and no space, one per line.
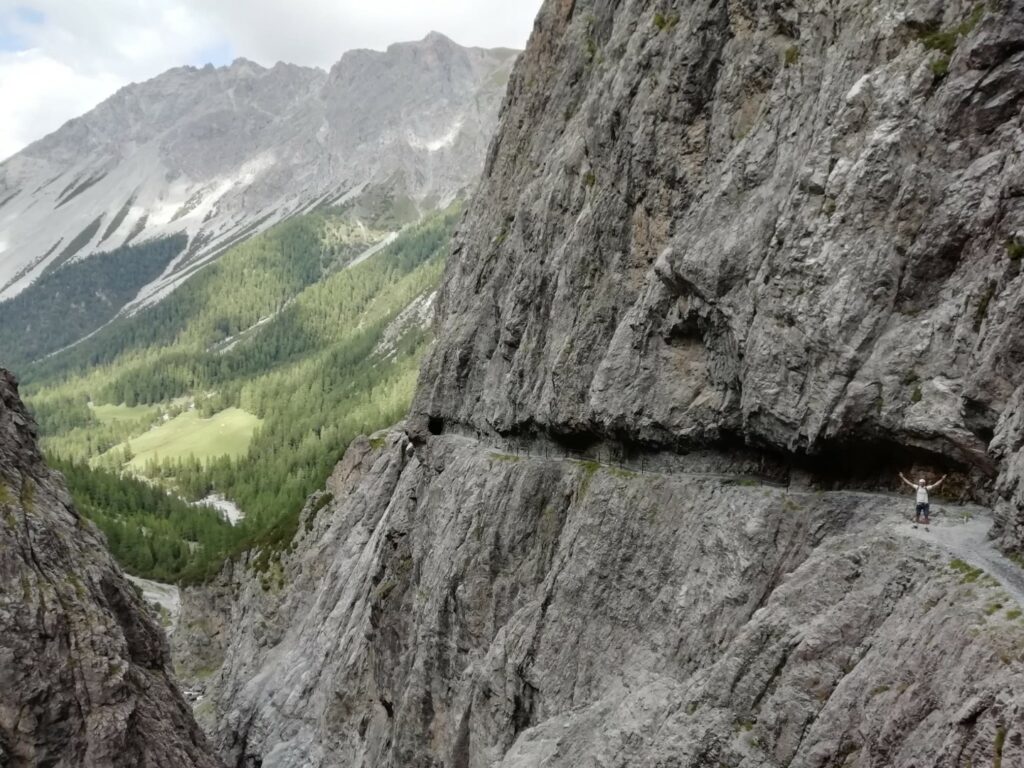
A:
59,58
40,93
316,32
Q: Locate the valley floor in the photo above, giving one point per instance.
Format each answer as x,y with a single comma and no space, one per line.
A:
189,435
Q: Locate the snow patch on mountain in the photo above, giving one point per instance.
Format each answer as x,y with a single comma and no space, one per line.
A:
442,142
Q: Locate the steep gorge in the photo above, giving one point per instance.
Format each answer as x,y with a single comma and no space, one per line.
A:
731,233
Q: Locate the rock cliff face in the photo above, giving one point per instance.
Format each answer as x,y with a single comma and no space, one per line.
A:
724,241
800,226
84,669
465,607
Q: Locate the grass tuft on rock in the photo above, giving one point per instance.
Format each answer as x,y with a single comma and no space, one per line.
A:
983,304
1015,248
666,22
940,67
28,494
946,40
968,573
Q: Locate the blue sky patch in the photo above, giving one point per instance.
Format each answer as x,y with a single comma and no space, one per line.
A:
219,55
28,15
11,41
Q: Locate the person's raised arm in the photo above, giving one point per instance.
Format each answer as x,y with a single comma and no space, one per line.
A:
936,484
907,481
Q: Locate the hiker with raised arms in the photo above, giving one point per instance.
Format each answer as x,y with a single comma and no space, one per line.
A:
922,509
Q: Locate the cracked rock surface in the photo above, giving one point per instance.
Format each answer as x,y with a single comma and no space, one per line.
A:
84,667
463,607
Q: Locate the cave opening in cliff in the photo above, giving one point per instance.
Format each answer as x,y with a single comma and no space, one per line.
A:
576,442
877,463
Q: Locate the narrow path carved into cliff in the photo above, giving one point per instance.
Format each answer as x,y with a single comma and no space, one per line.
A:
968,540
959,529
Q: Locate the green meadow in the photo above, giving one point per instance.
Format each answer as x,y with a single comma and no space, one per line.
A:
118,414
249,381
228,433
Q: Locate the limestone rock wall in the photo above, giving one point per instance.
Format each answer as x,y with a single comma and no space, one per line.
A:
462,607
796,224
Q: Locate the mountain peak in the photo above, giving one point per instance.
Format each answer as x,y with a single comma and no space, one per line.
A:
244,65
434,37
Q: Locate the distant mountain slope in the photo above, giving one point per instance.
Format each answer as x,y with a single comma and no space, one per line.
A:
220,154
67,305
292,330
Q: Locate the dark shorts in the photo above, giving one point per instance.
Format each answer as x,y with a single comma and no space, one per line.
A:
922,509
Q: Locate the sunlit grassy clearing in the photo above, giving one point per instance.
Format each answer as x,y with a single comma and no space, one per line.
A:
111,414
226,434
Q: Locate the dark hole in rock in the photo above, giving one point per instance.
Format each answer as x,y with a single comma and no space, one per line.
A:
435,424
875,463
576,442
980,419
683,332
523,706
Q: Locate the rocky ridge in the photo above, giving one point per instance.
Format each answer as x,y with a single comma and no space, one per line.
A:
743,243
84,668
222,153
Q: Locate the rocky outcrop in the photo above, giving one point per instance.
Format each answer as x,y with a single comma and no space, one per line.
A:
84,668
1008,449
727,242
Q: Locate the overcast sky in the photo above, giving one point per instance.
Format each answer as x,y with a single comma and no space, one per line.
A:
59,58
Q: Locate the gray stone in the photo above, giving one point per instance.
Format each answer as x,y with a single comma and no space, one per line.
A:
681,237
469,608
85,674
